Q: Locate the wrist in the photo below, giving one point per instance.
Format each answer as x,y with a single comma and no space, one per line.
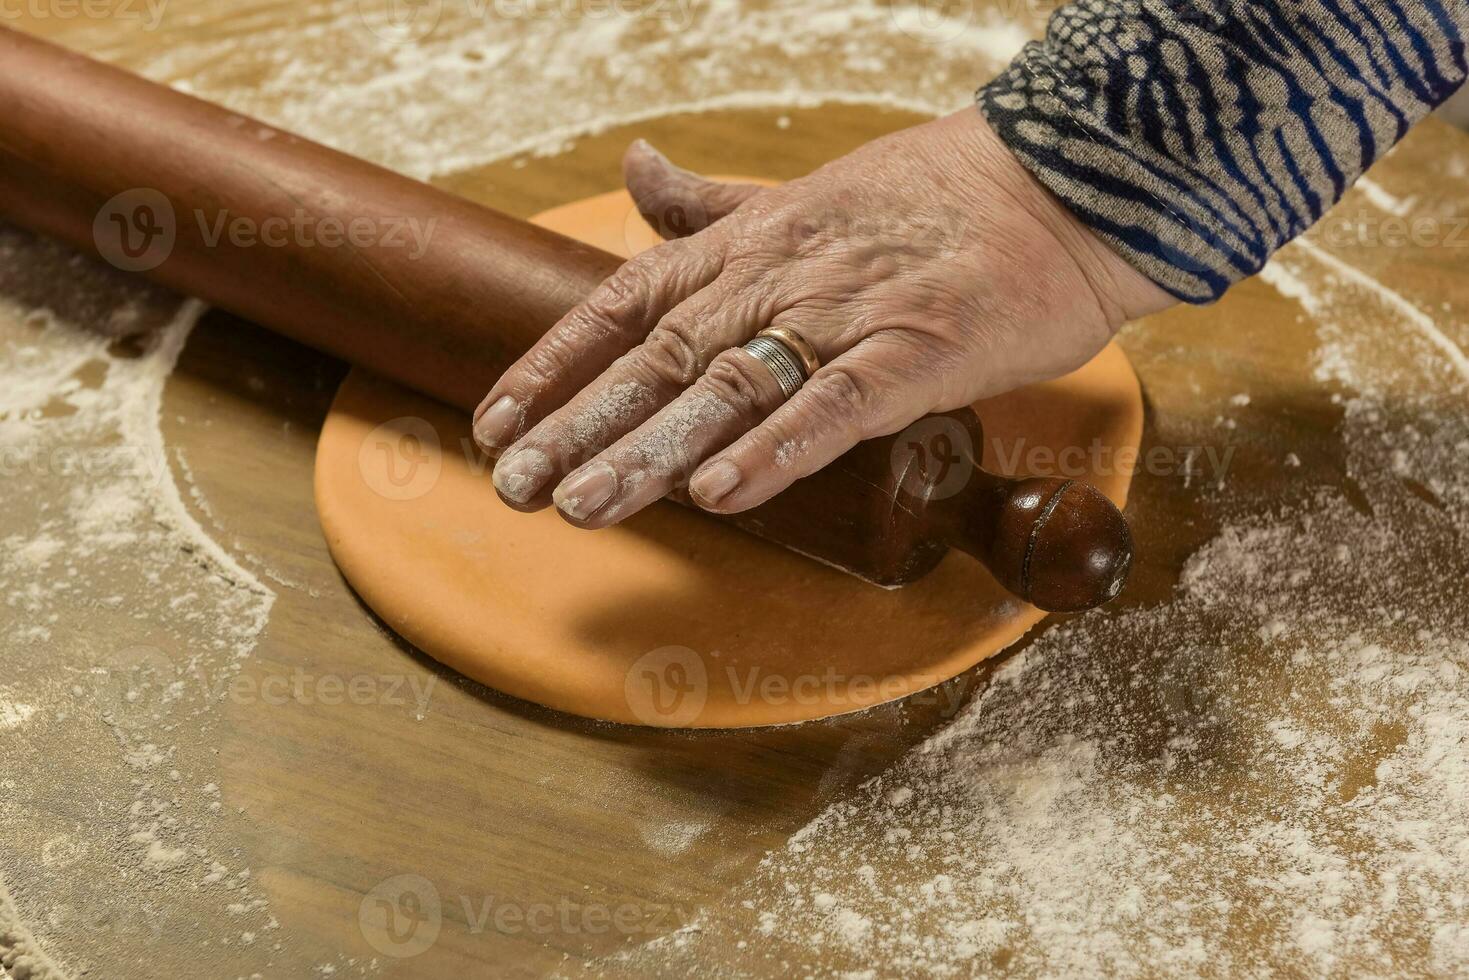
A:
1122,292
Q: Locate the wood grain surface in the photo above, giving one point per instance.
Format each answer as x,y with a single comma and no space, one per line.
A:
487,796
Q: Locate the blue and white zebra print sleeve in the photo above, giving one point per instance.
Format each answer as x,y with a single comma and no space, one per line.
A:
1198,136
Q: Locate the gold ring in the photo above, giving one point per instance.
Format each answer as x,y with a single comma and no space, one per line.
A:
797,345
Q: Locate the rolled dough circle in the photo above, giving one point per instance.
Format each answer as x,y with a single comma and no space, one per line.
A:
671,619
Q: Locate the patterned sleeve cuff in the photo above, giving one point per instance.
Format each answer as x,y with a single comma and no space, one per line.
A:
1198,137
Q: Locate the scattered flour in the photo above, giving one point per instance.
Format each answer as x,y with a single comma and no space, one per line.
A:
1275,779
114,595
21,957
113,598
80,407
673,837
13,714
1384,199
1083,814
477,89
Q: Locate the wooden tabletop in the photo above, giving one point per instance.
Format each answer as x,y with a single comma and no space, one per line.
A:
497,802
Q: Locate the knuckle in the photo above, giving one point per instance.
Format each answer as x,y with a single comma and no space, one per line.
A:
618,300
601,314
672,352
848,401
640,276
848,397
622,302
549,360
734,380
756,242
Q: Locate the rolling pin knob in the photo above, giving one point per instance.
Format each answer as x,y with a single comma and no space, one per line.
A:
1058,544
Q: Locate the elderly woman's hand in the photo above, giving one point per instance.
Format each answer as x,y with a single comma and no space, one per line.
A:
927,269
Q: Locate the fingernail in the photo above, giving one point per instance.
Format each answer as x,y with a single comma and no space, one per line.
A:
521,474
497,425
584,492
713,483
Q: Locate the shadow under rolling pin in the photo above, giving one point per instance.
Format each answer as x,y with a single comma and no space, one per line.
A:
141,174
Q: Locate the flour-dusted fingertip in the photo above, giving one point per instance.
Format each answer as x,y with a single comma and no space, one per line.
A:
584,492
522,474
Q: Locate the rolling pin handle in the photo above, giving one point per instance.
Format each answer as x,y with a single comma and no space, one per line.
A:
1058,544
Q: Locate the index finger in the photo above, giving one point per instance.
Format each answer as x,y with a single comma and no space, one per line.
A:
615,318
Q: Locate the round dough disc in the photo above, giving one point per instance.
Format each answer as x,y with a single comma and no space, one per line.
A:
671,618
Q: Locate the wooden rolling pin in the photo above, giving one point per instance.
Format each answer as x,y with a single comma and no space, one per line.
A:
213,204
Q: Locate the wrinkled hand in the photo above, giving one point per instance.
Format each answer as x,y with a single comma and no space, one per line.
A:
928,269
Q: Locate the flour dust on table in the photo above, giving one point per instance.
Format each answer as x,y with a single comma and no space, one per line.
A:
107,688
1273,780
122,616
1270,781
